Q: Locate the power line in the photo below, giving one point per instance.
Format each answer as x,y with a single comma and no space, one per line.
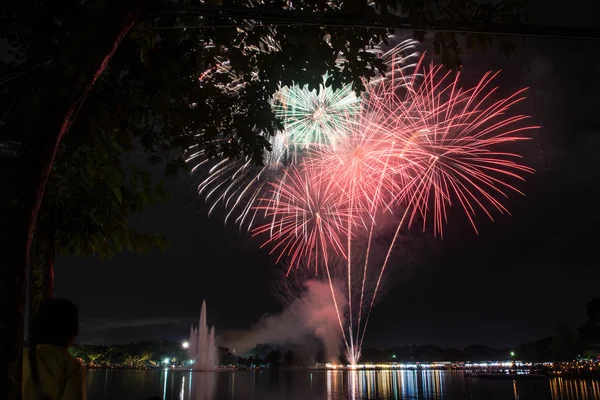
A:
339,19
535,104
22,69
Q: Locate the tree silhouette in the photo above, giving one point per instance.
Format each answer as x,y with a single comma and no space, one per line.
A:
321,356
564,344
273,358
288,358
589,332
68,49
91,172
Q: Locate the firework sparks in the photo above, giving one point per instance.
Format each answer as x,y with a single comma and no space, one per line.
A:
425,142
307,218
451,146
452,143
237,184
308,221
416,145
321,116
360,168
399,59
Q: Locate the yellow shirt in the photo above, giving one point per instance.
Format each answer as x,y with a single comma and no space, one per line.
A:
62,376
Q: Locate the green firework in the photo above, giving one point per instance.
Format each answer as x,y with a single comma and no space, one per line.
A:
316,117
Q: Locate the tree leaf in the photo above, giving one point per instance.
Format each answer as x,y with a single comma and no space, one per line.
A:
118,194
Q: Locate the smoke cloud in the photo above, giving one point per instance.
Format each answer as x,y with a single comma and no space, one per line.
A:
311,315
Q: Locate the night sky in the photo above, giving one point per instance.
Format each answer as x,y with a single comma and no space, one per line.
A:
508,285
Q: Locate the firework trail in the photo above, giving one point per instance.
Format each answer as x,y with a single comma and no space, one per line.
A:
362,171
236,183
399,60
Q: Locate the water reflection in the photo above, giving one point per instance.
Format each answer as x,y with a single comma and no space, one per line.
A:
182,393
387,384
574,389
204,385
195,386
331,384
166,378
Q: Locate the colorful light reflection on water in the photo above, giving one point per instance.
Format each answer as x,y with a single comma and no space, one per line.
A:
327,384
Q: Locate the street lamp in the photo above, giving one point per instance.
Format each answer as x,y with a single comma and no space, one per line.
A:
185,345
512,357
166,361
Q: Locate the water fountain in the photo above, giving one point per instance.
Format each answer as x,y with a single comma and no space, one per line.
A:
202,348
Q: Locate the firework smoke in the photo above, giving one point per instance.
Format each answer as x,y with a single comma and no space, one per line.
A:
310,315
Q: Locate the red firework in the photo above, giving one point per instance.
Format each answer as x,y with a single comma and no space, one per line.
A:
307,217
361,167
421,142
451,144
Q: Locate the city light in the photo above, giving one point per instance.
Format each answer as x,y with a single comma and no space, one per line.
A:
166,361
185,345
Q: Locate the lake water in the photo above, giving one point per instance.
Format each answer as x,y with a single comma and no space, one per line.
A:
326,385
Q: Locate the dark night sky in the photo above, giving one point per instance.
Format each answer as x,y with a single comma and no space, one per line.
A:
508,285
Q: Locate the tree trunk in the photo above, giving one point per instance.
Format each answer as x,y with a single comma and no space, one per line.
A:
41,275
39,119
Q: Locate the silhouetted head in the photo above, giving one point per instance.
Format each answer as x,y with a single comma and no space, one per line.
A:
57,323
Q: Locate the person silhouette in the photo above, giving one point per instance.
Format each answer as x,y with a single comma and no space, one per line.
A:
49,371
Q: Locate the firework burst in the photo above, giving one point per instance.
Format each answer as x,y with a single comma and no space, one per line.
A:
400,60
308,222
237,183
414,146
422,144
453,145
307,218
323,116
451,149
334,114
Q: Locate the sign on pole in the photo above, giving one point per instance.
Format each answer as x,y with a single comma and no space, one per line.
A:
10,149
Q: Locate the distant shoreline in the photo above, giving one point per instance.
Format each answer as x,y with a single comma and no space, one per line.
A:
564,369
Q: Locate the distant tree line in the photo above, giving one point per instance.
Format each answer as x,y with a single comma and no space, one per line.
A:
134,355
565,343
149,354
429,353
